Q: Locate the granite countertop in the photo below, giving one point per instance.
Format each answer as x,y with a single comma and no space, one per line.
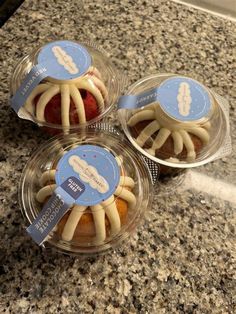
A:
182,260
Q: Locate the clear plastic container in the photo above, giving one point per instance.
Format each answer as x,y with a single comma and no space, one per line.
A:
155,132
71,102
86,232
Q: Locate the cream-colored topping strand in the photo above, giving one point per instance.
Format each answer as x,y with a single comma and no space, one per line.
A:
65,105
126,181
41,88
89,85
126,195
43,101
141,116
201,133
111,211
188,143
91,82
100,85
107,207
178,142
47,176
166,126
146,133
99,222
78,101
72,222
160,139
45,192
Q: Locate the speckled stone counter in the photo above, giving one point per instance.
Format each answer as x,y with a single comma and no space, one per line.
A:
182,260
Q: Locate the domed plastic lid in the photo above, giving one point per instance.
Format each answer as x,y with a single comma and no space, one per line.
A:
65,85
84,196
175,120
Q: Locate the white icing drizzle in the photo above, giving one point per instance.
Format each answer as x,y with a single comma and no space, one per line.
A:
141,116
107,207
89,85
146,133
160,139
47,176
188,143
91,82
166,126
111,211
44,99
37,91
126,195
44,192
78,101
99,222
178,142
72,222
65,105
126,181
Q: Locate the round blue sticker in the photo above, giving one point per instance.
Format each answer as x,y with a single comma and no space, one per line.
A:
64,60
184,99
89,174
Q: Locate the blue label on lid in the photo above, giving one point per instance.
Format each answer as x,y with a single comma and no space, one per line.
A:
184,99
61,60
91,169
181,98
68,60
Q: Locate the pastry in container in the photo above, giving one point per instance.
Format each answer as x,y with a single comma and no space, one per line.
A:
64,85
182,123
115,185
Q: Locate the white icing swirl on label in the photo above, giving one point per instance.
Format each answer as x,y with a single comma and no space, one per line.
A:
89,174
65,60
184,99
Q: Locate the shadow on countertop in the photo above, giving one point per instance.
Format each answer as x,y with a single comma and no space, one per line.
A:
7,8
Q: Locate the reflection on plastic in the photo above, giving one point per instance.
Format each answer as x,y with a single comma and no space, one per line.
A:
211,186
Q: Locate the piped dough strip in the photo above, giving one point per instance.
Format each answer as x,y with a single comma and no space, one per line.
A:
207,125
89,85
100,85
160,139
126,195
72,222
188,143
79,104
65,105
94,71
126,181
147,132
201,133
111,211
178,142
40,89
44,192
43,101
99,222
141,116
47,176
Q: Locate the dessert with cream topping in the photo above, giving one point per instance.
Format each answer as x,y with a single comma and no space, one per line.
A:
69,103
92,223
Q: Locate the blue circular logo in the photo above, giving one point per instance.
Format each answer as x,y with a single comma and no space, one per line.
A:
184,99
89,174
64,60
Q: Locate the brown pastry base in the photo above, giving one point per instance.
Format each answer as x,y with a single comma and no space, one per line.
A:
85,230
167,150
